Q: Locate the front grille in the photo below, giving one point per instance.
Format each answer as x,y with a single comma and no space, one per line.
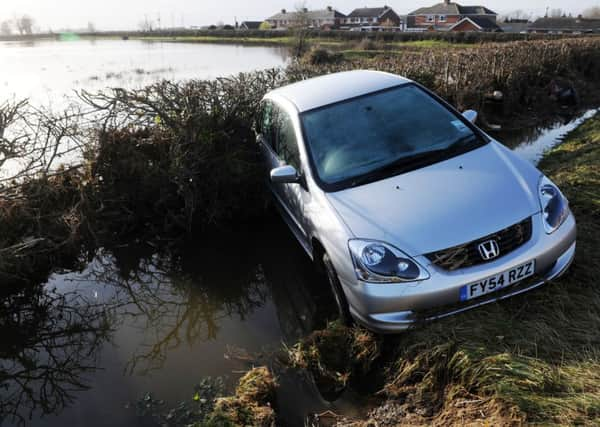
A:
467,254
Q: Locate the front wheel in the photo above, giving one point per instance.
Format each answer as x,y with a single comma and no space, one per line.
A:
337,291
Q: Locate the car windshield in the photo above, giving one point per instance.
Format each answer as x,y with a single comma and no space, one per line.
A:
382,134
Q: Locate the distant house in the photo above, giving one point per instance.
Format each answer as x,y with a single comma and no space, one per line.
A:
374,16
444,16
565,25
250,25
326,18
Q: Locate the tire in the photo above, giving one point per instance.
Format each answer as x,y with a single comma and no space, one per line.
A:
339,296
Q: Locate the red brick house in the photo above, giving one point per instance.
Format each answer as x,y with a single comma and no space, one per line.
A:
444,16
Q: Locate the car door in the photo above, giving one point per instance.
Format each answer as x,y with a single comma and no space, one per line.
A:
279,145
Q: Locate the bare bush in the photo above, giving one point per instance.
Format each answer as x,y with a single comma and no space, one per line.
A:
191,144
33,142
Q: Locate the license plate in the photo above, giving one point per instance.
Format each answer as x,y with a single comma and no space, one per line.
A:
497,282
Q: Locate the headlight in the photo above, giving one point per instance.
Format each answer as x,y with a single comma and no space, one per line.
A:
555,206
378,262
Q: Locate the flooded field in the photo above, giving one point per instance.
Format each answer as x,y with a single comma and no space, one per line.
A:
49,71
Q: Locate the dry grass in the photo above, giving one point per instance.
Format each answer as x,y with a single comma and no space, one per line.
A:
251,405
335,355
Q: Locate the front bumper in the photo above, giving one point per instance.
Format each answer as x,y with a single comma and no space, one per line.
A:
394,308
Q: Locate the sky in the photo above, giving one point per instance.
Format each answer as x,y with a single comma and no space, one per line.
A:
127,14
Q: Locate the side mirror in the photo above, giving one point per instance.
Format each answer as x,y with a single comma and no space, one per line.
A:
470,115
285,175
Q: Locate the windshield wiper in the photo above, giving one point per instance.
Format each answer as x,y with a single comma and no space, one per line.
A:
403,164
408,163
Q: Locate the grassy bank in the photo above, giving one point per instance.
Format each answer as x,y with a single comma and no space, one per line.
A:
241,39
337,36
339,44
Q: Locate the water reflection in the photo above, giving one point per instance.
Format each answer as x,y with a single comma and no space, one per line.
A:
50,342
133,321
175,306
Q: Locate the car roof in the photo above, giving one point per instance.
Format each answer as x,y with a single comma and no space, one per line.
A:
331,88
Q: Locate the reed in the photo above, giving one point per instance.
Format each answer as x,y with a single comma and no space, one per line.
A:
521,70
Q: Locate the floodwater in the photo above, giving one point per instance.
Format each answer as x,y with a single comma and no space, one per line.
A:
532,142
92,343
88,346
48,72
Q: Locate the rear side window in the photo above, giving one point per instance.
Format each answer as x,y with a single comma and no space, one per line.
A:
286,144
265,123
277,130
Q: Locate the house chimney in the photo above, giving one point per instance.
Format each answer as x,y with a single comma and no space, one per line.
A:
283,11
447,1
305,10
330,9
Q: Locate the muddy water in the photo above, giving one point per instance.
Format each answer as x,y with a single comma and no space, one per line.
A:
88,345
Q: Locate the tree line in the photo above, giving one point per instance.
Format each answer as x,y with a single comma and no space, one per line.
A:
22,25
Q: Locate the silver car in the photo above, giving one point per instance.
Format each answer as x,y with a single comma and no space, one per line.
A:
412,211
